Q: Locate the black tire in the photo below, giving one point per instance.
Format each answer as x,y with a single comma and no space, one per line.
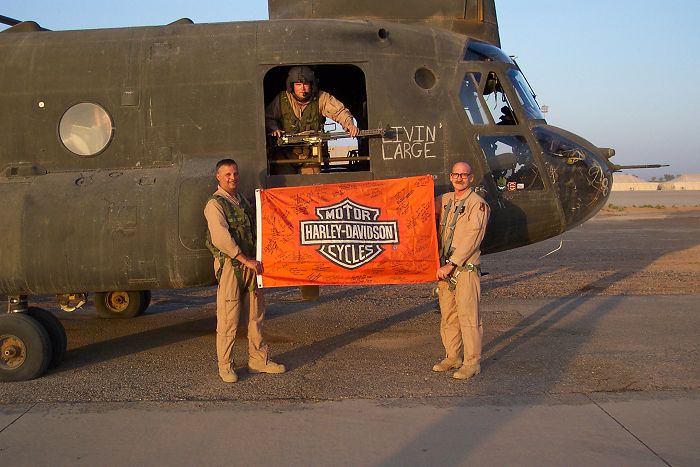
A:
25,347
56,332
145,300
120,304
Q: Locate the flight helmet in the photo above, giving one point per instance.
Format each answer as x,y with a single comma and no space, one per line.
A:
302,74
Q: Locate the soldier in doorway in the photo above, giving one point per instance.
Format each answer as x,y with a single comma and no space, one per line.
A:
303,107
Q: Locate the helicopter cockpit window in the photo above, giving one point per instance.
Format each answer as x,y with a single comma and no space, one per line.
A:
511,163
306,128
85,129
497,101
532,109
471,101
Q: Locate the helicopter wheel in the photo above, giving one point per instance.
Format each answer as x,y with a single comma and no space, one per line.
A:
25,347
122,304
55,331
145,300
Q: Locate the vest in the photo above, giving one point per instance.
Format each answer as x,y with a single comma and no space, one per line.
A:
310,116
447,232
241,227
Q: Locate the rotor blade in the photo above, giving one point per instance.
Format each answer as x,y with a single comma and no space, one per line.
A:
8,21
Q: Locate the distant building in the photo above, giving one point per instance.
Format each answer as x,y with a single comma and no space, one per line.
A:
629,182
683,182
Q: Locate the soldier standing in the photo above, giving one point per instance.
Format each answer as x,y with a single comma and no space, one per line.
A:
303,107
231,239
463,217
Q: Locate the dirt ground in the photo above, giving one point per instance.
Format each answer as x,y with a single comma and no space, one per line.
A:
623,251
615,309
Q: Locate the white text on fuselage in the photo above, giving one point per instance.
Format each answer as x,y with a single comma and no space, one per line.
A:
413,142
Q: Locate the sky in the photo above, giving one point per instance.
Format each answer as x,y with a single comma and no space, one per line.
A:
620,73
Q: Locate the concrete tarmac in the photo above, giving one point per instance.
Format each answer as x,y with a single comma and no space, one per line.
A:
590,358
573,430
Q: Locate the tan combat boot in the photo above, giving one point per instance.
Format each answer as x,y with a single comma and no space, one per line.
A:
228,375
447,364
267,367
467,371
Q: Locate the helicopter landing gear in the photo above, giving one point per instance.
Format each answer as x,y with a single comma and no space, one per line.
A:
71,301
26,347
55,331
309,292
122,304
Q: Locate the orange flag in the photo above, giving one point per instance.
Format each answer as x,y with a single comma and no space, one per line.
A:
377,232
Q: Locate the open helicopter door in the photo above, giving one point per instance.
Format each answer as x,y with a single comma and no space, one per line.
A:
325,156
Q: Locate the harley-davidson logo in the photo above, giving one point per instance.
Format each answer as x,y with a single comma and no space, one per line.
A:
348,233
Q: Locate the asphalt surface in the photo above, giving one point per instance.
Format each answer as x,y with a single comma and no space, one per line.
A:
590,355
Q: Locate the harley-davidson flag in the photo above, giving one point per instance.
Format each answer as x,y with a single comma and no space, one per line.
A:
376,232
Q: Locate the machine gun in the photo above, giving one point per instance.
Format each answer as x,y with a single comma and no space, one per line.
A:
309,138
309,147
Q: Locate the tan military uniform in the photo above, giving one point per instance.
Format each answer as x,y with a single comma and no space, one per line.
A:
328,106
233,305
461,329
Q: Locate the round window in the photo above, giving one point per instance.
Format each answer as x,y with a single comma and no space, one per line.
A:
85,129
425,78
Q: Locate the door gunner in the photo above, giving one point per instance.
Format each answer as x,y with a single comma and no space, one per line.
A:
303,107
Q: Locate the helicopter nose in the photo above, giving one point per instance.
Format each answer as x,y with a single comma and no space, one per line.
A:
580,171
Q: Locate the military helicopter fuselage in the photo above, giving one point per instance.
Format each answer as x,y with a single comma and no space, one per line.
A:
108,139
128,214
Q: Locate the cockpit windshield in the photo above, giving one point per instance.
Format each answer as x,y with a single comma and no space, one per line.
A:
527,99
481,51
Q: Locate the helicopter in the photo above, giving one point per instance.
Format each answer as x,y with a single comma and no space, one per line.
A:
109,137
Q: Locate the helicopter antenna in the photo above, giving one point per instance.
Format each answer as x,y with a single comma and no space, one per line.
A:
617,168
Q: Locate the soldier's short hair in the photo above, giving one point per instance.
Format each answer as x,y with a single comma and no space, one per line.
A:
223,162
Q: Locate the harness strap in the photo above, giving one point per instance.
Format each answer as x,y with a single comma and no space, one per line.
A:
236,271
469,267
445,250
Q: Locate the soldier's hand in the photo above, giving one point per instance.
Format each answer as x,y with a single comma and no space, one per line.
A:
445,271
253,264
277,133
353,130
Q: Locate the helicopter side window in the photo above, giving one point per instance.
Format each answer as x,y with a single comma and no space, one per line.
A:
85,129
472,103
497,101
511,163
